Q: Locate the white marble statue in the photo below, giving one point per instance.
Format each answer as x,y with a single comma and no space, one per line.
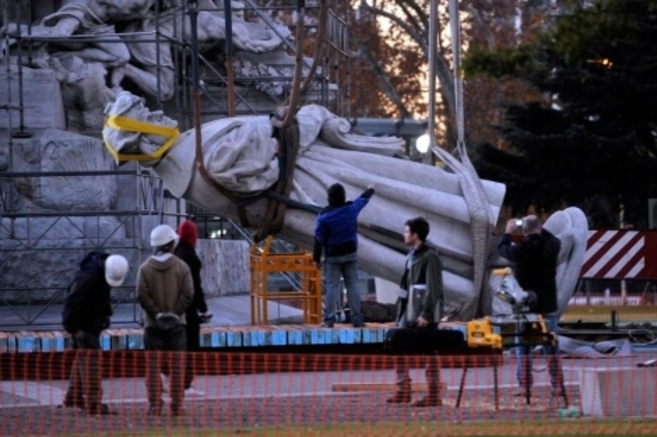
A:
94,20
211,30
240,155
87,29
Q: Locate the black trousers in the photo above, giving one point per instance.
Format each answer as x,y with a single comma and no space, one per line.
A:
85,384
192,332
167,350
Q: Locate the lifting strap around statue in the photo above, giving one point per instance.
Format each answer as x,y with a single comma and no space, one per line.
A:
287,130
288,147
277,195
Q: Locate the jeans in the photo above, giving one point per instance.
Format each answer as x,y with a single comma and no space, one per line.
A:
85,384
167,349
347,267
524,371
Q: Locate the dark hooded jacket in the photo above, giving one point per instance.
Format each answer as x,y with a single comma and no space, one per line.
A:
88,306
185,251
536,266
336,229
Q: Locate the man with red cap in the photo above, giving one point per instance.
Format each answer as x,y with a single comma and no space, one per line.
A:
186,251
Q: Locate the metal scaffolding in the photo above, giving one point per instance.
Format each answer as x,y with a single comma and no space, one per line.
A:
27,233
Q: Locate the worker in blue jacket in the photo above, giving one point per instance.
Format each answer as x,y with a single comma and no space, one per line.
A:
336,235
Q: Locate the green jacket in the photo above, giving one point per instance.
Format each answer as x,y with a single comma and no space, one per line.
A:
424,268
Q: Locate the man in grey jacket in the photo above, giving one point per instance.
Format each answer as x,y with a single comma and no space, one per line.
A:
420,305
165,290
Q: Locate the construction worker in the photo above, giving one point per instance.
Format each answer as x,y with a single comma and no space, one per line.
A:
336,234
87,312
536,258
197,311
164,290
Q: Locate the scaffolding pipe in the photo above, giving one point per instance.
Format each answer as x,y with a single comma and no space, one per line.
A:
196,91
21,133
8,71
158,67
264,17
296,85
228,18
433,42
225,82
458,80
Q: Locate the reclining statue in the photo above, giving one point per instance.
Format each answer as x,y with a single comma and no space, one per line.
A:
240,155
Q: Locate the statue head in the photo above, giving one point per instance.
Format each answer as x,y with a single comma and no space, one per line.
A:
132,132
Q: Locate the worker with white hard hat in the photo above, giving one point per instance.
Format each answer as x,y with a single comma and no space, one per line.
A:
87,312
164,290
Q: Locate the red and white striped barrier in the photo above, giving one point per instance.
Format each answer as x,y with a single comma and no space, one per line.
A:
621,254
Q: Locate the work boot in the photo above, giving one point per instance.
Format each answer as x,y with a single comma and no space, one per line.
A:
403,394
155,410
429,400
99,410
176,410
433,397
73,403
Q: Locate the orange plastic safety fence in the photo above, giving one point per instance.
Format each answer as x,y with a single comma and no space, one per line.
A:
295,394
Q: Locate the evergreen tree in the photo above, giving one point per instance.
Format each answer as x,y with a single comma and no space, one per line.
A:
590,141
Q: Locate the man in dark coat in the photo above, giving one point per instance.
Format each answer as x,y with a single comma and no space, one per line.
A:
87,312
535,261
197,312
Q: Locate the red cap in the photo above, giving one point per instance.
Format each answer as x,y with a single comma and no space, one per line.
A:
188,233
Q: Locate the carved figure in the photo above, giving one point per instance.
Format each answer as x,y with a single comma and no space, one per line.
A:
134,52
92,18
143,67
240,155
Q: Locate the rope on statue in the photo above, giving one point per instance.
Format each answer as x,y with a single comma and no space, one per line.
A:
288,147
481,220
287,132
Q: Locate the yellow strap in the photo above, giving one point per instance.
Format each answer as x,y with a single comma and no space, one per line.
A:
502,272
130,125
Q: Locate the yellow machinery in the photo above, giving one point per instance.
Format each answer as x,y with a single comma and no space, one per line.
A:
262,263
522,328
509,331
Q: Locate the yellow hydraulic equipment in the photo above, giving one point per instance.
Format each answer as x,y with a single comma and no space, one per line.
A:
263,263
522,328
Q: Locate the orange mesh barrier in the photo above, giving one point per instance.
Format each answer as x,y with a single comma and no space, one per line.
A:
295,394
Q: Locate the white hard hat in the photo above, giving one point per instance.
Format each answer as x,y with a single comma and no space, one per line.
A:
116,269
162,235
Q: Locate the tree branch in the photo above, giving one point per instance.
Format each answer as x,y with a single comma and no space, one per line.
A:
421,16
413,20
398,21
476,14
388,89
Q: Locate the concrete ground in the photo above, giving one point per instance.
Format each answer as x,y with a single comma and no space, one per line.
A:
280,385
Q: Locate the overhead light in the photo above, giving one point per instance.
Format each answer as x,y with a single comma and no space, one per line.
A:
422,143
